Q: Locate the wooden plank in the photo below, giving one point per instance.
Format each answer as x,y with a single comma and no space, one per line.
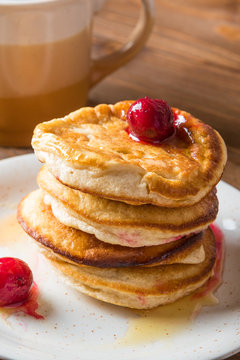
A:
192,59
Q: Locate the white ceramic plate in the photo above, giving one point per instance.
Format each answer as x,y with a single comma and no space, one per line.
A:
78,327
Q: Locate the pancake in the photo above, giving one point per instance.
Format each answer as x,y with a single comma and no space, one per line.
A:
90,150
79,247
139,288
119,223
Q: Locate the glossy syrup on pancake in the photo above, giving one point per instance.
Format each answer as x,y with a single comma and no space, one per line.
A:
90,150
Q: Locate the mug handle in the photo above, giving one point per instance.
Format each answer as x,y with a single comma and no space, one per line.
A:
107,64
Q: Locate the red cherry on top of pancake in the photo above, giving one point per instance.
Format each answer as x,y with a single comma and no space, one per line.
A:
150,120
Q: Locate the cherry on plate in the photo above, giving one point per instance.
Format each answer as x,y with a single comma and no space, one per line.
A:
15,281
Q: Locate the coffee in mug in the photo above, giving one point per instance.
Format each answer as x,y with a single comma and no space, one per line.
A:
45,65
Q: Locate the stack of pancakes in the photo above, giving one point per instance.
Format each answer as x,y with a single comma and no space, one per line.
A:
123,221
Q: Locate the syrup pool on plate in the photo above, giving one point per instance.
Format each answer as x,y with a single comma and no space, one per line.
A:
165,321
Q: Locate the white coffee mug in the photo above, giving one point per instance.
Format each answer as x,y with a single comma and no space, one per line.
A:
45,65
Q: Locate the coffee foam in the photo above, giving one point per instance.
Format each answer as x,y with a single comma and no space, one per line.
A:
36,22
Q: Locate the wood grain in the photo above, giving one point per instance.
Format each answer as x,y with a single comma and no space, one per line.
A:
192,59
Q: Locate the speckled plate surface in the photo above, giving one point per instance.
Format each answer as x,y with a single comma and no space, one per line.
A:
78,327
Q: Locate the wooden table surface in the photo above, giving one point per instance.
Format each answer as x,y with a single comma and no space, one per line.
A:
192,60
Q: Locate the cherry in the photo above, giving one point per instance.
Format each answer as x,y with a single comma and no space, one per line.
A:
150,120
15,281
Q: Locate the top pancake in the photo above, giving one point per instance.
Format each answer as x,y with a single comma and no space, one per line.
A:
90,150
